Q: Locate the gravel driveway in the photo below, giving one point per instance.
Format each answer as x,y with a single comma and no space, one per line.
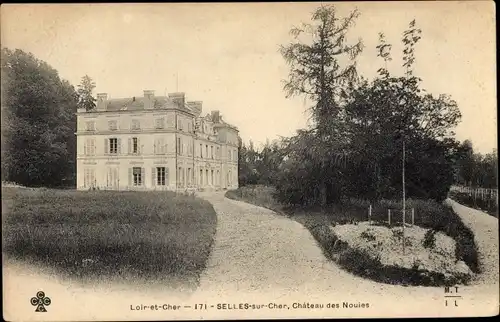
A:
259,254
258,257
485,228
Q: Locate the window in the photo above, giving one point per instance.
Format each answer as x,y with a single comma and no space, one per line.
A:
161,176
212,151
179,124
89,178
190,127
212,177
112,125
160,123
159,146
89,147
201,151
137,176
90,126
135,145
206,150
218,152
136,125
113,146
189,176
112,178
201,177
229,154
179,146
207,181
217,178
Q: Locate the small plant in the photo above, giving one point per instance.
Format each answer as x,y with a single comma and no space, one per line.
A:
429,239
368,235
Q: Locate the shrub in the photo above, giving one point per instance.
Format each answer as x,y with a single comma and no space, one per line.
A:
429,239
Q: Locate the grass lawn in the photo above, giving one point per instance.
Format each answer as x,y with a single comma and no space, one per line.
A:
428,214
96,234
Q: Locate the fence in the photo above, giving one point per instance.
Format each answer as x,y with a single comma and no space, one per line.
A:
488,195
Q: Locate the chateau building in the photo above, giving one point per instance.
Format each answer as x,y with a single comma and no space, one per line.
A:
154,143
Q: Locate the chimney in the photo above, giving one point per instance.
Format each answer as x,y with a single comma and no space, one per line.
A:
102,99
178,98
149,96
215,116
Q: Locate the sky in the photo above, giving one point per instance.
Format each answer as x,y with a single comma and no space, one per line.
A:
226,55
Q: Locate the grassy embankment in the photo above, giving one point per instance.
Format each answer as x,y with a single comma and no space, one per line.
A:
110,234
428,214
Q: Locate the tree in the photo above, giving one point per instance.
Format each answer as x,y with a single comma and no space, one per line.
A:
38,116
389,110
315,68
85,89
318,72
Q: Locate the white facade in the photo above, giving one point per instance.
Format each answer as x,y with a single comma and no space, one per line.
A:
154,143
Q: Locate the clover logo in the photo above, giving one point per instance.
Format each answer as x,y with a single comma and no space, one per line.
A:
40,301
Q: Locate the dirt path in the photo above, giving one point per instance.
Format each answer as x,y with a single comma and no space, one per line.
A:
485,229
258,258
259,254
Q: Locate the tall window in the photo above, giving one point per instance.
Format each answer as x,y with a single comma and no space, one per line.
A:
206,150
113,146
179,124
89,177
161,176
190,127
112,178
90,126
135,145
112,125
159,146
179,146
212,177
207,181
137,176
160,123
136,125
89,147
201,177
188,176
201,151
212,151
218,152
229,154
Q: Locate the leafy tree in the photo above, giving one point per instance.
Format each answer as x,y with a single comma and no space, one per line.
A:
389,110
323,69
85,89
38,141
355,149
314,59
